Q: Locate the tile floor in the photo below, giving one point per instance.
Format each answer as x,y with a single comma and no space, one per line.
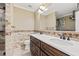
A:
27,54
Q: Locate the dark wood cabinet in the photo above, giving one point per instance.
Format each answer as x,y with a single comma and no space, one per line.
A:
35,47
39,48
43,54
35,41
51,51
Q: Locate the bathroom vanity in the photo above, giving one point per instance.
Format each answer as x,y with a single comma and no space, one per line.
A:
43,45
40,48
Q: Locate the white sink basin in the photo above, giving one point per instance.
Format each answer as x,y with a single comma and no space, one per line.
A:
62,42
58,40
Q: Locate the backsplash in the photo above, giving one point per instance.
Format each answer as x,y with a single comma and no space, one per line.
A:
71,34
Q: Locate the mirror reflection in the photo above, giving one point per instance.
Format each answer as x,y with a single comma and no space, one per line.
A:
55,17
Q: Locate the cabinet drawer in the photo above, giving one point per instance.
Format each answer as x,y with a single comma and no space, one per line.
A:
35,41
51,51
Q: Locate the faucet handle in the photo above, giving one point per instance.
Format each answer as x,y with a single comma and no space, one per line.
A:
60,37
68,38
64,37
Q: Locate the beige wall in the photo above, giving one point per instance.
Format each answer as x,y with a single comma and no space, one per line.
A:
77,21
36,21
45,22
51,21
40,22
23,19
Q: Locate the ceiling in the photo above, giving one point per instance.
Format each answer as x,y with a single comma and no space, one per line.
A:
29,6
60,8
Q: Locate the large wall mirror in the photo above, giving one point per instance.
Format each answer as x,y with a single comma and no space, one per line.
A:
57,16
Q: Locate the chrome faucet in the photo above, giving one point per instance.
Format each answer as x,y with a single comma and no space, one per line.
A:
62,36
68,38
41,32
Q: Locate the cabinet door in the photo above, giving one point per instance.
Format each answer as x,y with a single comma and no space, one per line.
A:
32,49
35,41
38,51
35,50
51,51
43,54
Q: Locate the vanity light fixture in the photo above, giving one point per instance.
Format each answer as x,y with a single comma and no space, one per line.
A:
42,9
40,12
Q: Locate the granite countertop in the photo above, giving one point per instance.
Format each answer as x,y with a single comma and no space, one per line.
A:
72,48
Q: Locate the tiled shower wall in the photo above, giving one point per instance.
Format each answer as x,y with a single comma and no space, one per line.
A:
15,45
18,24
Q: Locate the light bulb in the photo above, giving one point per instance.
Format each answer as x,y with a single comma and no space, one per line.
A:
43,8
39,11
